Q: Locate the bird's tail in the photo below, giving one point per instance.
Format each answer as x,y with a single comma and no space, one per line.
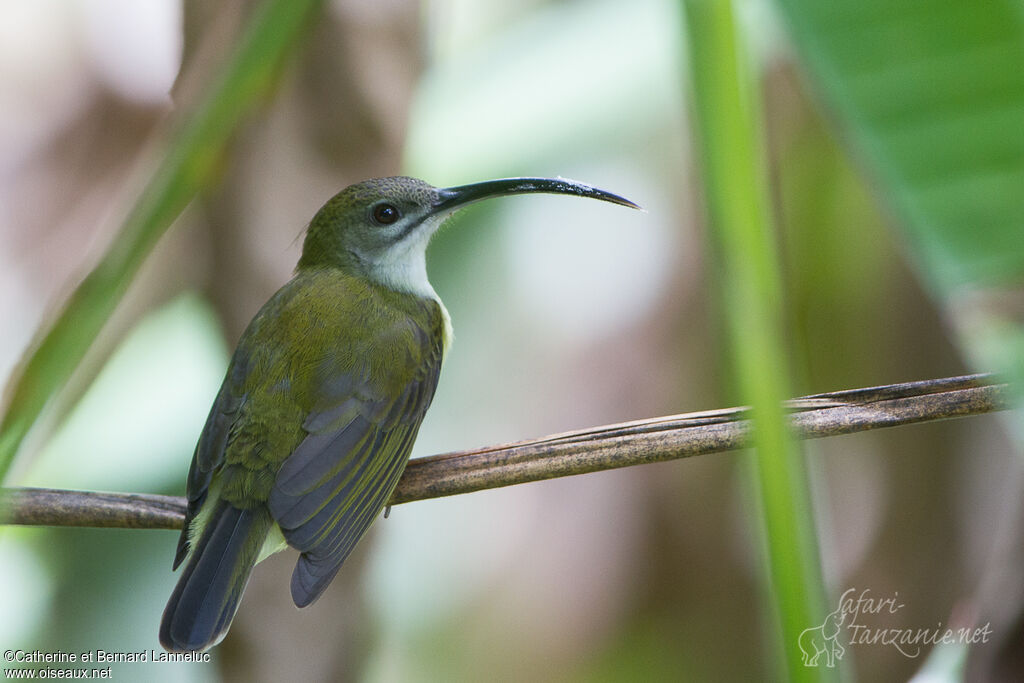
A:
206,598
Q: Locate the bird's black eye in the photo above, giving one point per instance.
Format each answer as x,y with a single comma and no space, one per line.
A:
386,214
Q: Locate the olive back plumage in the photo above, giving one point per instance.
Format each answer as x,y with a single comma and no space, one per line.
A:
306,432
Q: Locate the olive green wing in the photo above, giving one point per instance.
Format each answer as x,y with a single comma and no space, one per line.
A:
336,482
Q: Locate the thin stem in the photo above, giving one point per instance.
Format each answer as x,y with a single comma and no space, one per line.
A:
560,455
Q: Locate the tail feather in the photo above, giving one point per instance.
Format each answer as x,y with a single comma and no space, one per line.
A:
206,598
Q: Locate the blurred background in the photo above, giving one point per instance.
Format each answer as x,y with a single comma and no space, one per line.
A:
567,314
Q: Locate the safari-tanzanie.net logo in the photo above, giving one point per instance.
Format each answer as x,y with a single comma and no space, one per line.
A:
860,620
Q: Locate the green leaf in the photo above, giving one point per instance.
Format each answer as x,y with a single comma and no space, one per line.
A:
735,180
931,94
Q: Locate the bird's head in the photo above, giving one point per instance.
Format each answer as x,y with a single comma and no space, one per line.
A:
380,228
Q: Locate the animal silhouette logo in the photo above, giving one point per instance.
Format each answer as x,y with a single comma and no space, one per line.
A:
823,640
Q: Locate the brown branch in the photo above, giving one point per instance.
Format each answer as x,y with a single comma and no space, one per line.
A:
561,455
59,507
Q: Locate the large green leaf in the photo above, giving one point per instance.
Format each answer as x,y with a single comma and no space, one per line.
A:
931,94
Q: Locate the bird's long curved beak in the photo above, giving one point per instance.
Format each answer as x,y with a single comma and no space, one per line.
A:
451,198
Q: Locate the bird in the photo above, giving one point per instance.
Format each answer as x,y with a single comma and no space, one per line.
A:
322,400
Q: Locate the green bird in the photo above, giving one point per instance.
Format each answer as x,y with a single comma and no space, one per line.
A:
322,400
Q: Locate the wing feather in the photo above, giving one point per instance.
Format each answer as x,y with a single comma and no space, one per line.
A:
307,470
316,569
337,481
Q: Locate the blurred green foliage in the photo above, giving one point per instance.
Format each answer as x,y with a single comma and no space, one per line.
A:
930,101
728,129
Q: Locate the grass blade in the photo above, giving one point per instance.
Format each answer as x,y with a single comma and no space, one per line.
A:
736,196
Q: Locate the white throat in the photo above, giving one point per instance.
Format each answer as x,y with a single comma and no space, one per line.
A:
404,269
